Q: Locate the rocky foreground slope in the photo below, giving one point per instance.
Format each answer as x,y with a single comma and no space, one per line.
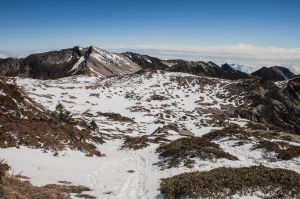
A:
23,122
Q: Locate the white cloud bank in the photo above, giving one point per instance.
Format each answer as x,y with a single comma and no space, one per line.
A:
3,55
251,56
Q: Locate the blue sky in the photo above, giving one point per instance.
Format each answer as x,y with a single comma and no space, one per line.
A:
36,25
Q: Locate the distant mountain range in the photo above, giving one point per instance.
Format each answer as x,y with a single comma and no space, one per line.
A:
73,61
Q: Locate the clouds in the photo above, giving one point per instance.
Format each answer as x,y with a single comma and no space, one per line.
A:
3,55
249,55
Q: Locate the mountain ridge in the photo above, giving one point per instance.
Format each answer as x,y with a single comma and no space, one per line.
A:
93,60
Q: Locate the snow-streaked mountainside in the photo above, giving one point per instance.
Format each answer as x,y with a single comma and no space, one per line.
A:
106,63
77,60
125,125
68,62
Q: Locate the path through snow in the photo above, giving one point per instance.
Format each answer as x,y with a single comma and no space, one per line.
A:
121,174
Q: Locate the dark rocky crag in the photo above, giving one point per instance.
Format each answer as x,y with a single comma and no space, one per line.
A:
233,72
49,65
53,64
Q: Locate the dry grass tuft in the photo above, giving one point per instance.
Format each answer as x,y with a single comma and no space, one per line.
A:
116,117
135,142
157,97
85,196
11,187
67,188
50,135
184,150
14,188
224,182
283,150
253,131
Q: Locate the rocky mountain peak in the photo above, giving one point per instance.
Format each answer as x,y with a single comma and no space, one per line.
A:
275,73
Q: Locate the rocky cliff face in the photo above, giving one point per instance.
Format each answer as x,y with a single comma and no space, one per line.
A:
292,89
49,65
11,66
275,73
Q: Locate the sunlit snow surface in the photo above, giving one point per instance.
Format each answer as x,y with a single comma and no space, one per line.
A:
108,176
85,96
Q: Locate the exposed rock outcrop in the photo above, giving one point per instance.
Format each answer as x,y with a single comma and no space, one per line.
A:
292,89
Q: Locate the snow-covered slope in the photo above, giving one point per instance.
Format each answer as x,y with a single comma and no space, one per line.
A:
149,98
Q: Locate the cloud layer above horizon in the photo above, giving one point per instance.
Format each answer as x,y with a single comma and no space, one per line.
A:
3,55
254,57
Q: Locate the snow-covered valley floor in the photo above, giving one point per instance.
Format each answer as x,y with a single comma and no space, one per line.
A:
121,173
